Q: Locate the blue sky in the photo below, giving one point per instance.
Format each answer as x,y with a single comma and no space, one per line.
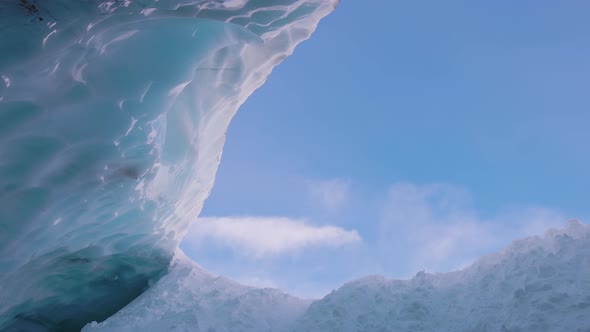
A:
404,136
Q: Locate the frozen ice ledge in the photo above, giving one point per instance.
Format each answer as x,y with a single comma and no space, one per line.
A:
112,122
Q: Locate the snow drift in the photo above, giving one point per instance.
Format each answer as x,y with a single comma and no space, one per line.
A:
191,299
536,284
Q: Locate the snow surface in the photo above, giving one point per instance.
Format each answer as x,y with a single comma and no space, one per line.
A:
112,120
191,299
536,284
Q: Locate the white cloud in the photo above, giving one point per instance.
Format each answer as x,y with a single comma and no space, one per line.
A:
329,194
434,227
267,236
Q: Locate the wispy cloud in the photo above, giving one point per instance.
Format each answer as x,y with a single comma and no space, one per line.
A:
267,236
435,227
328,194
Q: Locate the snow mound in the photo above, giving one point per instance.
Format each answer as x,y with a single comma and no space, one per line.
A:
190,299
536,284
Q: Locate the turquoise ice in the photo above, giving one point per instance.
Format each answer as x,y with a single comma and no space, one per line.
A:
112,121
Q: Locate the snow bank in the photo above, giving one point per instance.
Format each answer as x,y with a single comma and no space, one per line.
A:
191,299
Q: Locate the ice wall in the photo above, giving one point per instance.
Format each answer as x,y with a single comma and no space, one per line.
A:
112,122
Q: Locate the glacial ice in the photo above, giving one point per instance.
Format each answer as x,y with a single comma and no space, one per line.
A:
535,284
112,120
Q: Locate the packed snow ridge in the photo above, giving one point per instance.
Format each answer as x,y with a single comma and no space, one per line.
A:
536,284
191,299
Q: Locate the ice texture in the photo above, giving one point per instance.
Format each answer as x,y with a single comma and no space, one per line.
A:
112,121
536,284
